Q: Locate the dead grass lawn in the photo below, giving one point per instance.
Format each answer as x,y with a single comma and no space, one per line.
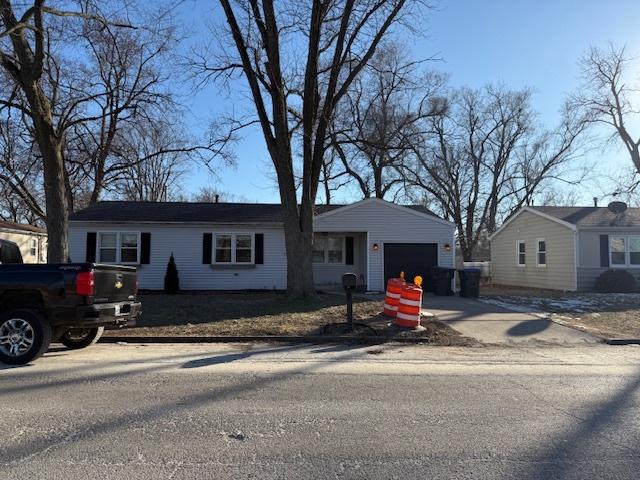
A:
267,314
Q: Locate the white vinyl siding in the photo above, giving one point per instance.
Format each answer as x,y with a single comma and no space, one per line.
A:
186,242
386,223
369,222
559,244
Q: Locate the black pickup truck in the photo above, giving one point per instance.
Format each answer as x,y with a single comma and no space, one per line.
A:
71,303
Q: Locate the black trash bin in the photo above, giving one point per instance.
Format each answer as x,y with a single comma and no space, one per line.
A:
442,277
470,282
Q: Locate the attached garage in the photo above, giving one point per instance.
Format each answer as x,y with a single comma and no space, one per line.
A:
390,238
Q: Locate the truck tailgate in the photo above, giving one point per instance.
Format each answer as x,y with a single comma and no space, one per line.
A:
114,283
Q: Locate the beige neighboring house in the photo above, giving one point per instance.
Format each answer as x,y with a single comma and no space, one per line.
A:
565,248
31,240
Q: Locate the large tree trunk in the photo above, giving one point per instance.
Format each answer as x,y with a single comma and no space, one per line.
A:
50,146
55,195
299,261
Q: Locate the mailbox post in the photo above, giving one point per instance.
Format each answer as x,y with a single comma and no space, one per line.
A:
349,283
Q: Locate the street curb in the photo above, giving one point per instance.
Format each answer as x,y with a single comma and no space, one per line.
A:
622,341
282,339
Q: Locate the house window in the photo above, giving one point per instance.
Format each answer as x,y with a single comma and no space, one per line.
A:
34,247
542,252
617,247
108,247
119,247
522,253
624,251
328,249
234,248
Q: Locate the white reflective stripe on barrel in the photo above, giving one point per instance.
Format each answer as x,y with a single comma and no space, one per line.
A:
413,303
390,307
404,316
393,295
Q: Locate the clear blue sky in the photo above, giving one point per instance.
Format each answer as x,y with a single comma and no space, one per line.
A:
520,43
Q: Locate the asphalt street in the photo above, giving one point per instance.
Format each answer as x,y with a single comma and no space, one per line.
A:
316,412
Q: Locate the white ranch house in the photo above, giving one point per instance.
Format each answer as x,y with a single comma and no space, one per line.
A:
241,246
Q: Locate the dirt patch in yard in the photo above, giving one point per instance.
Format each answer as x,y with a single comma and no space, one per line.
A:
607,315
269,314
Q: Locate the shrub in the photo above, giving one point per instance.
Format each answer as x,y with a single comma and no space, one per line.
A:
615,281
171,278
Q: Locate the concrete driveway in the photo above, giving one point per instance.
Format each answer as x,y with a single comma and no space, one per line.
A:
493,324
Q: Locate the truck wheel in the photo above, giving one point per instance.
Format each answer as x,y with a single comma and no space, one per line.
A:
24,336
77,338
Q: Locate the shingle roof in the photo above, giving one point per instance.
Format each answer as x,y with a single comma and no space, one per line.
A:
22,227
594,216
186,212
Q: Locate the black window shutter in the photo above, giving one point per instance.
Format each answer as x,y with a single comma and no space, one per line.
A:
90,256
207,244
349,252
259,255
604,250
145,254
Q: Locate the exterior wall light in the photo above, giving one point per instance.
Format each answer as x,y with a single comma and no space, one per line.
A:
376,247
447,247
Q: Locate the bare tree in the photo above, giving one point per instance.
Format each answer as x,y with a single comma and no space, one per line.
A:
607,96
382,117
22,59
487,157
156,163
299,61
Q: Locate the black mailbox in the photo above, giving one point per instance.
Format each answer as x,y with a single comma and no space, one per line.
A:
349,281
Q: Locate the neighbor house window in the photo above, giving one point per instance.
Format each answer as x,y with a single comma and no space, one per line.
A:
522,253
542,252
624,251
328,249
119,247
617,246
234,248
34,247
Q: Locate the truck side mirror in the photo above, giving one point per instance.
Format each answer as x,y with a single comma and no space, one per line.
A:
349,281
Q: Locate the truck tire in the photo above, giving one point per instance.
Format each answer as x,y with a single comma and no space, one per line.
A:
77,338
24,336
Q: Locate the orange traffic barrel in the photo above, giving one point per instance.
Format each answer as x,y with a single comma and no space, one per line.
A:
392,297
409,306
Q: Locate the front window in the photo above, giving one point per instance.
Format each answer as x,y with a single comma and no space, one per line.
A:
522,253
328,249
108,247
34,247
618,250
119,247
234,248
129,247
624,251
542,253
223,249
243,248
